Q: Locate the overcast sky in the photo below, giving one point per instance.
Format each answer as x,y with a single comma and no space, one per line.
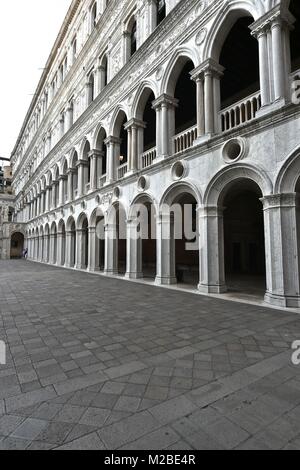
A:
28,30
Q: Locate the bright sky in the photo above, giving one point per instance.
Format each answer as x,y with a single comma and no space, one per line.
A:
28,30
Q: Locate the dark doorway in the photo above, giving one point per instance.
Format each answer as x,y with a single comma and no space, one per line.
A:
244,239
149,244
16,245
186,242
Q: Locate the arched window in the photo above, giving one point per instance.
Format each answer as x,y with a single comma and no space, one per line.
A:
105,71
161,11
133,39
93,15
91,89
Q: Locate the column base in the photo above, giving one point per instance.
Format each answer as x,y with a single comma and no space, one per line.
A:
130,173
202,139
285,301
81,267
271,107
134,275
113,272
160,158
108,182
165,281
205,289
93,270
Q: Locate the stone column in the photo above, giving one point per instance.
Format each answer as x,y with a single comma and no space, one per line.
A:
207,77
200,106
165,107
166,274
111,250
126,46
61,182
265,90
60,248
48,190
82,180
70,184
88,93
93,261
100,78
69,248
41,249
96,163
112,143
134,127
47,249
282,249
43,197
271,32
134,251
52,249
80,249
69,116
54,189
212,269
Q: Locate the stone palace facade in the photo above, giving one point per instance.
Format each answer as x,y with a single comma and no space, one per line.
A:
193,102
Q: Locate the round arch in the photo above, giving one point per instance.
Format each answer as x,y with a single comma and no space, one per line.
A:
288,174
176,190
229,175
97,212
116,120
174,68
141,96
81,219
224,22
99,130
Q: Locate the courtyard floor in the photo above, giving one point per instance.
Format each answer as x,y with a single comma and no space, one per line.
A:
99,363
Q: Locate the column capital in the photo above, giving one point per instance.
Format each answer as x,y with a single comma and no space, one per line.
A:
62,177
165,100
135,123
82,163
95,153
210,211
275,201
112,140
209,66
276,16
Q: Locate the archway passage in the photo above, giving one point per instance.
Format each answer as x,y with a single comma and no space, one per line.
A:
16,245
121,239
100,244
185,92
148,242
295,35
244,247
239,56
82,243
72,246
62,230
186,242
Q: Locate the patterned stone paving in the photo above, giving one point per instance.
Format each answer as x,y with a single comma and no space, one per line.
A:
100,363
